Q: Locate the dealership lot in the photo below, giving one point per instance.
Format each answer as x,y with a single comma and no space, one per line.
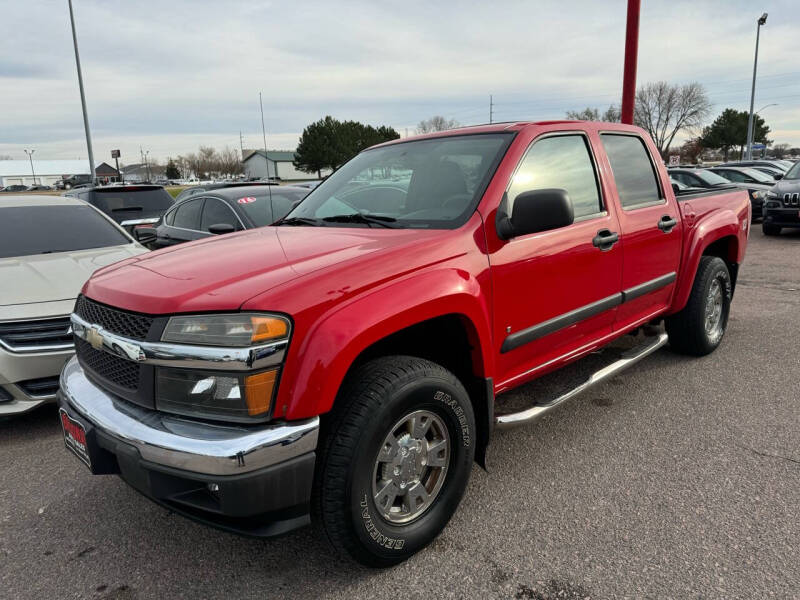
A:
679,478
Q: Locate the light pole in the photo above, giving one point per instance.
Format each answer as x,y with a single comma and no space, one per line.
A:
83,96
761,21
30,156
146,164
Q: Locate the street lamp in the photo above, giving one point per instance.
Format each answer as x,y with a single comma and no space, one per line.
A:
83,96
30,156
146,165
761,21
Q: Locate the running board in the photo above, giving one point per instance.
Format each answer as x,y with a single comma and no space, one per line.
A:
625,360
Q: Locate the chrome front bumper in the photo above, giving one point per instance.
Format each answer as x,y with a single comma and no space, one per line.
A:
172,441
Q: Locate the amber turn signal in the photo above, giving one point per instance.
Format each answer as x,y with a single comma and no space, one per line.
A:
267,328
258,391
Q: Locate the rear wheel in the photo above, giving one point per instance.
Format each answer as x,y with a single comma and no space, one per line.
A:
770,229
396,454
698,328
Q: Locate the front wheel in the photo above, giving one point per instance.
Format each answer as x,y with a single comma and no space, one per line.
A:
698,328
395,457
770,229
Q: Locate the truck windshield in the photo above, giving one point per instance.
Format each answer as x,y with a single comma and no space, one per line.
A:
27,230
431,183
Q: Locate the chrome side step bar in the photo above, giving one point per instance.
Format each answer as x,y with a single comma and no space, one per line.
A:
628,358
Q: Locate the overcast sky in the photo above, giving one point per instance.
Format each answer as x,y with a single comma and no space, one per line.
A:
170,75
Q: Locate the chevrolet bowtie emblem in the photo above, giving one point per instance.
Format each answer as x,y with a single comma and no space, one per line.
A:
94,338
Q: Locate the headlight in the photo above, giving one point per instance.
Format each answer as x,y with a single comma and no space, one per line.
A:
234,330
216,395
772,195
758,194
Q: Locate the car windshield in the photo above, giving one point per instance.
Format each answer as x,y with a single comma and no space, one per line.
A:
28,230
429,183
794,172
759,176
148,199
258,207
710,178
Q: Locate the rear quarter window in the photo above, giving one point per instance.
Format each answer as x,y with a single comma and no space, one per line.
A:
634,173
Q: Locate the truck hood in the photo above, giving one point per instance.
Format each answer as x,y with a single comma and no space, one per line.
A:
221,273
53,277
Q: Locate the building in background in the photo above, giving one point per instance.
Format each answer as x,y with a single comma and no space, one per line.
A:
139,172
48,172
274,163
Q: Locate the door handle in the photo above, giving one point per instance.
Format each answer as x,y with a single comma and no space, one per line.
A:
605,239
667,223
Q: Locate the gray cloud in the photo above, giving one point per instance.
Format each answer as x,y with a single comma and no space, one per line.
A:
169,74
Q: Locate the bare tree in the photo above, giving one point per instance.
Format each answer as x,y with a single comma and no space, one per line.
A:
229,163
664,109
436,123
611,114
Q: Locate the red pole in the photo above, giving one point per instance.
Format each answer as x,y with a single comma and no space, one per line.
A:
631,52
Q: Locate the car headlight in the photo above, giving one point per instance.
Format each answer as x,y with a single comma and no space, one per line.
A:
772,194
241,396
757,194
234,330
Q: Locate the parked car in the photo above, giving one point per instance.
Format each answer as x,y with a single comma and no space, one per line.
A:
223,210
15,188
49,246
709,179
307,184
782,206
348,360
67,183
129,205
39,188
757,183
207,187
771,167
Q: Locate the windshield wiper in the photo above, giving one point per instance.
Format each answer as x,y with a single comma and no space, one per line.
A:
362,218
298,221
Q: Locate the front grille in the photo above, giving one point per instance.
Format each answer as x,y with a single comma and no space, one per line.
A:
118,371
32,336
45,386
127,324
791,199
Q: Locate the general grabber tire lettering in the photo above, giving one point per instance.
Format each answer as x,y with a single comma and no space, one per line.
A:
698,328
395,456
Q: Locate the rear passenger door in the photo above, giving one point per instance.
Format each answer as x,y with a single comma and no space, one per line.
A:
651,229
183,224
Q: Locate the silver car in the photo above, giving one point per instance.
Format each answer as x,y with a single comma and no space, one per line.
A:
49,246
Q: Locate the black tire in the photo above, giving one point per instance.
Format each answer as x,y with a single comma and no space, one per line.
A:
687,328
770,229
374,398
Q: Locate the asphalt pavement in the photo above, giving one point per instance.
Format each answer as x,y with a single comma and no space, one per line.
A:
679,478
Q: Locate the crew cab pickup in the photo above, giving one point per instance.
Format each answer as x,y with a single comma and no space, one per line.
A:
347,365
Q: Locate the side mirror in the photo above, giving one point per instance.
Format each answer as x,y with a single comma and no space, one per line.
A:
778,176
675,188
220,228
534,211
144,235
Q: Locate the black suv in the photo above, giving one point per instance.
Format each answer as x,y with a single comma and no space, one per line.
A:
782,208
128,205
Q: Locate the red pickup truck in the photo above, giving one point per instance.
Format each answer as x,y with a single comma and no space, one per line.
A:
347,365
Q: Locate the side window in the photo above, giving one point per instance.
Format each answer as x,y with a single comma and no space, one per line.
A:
216,212
633,170
681,177
169,217
562,162
694,181
187,215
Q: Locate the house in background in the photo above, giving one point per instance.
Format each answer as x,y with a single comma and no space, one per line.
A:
48,172
274,163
